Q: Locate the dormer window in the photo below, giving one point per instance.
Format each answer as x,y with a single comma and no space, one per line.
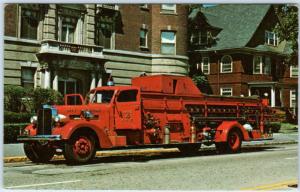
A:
271,38
200,37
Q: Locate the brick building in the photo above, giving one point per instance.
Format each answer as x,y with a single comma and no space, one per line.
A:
72,48
235,47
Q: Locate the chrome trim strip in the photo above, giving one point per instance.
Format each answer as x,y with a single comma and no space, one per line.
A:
39,138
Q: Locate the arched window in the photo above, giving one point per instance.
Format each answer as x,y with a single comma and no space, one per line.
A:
226,64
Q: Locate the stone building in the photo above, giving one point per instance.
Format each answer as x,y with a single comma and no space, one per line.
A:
235,47
73,48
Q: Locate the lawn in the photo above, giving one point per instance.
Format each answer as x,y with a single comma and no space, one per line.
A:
288,128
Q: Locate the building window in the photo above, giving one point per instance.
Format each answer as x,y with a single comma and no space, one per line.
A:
104,34
271,38
257,64
294,71
205,66
68,29
143,38
293,98
226,64
168,8
226,91
144,6
27,74
168,43
261,66
267,66
29,24
200,38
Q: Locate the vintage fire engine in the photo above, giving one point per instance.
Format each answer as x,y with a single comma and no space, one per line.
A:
156,111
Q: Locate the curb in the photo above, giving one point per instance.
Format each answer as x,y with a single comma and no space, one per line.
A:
147,152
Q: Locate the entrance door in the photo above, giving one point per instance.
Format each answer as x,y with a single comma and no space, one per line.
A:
68,86
128,110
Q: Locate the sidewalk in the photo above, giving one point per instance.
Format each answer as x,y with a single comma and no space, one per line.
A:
15,153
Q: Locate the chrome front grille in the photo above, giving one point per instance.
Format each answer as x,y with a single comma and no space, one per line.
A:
44,125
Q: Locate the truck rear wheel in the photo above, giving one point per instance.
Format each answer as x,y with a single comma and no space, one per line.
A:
80,148
233,143
38,153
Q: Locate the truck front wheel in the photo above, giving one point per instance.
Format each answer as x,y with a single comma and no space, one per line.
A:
38,153
80,148
233,143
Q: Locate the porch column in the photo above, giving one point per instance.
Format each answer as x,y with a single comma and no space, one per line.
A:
55,81
99,80
93,83
47,79
272,96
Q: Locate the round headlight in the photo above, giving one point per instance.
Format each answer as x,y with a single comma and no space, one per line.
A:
33,119
56,119
60,118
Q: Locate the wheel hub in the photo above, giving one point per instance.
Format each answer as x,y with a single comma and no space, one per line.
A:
82,146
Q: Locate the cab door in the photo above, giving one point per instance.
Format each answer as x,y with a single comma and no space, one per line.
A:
128,109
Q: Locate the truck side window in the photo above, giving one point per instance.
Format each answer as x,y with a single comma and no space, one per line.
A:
102,96
127,96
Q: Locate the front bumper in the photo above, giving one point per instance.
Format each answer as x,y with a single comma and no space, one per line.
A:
39,138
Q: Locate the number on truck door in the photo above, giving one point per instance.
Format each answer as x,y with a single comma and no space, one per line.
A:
128,110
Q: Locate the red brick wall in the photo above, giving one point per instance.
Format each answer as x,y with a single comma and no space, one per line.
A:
10,20
133,17
178,23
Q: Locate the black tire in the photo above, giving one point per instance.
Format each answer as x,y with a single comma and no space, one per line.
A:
80,148
189,149
38,153
233,143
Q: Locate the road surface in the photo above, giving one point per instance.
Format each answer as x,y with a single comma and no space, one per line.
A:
271,167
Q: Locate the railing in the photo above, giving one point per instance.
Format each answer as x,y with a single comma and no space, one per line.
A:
52,46
108,6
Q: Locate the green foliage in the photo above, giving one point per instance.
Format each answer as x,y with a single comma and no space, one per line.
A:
42,96
11,131
13,117
274,126
201,82
14,98
287,29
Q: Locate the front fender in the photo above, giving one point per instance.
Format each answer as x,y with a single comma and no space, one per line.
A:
225,127
67,130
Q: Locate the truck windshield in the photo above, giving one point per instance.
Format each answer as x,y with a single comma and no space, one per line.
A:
103,96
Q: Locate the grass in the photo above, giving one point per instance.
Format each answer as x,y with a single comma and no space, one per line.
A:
288,128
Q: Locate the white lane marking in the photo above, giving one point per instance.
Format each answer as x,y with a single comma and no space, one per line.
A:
291,158
41,184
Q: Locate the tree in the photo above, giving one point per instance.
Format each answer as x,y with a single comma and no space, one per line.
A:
287,28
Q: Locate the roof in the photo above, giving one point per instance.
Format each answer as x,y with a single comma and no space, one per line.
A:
238,22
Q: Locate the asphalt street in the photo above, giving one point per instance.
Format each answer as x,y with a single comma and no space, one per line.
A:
264,167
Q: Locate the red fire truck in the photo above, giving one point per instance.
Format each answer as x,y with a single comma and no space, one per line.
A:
155,111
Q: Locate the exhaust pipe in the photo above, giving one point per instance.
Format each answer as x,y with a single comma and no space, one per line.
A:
167,134
193,134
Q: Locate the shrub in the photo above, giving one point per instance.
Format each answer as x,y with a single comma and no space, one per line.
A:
202,83
11,131
275,127
45,96
13,117
13,98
